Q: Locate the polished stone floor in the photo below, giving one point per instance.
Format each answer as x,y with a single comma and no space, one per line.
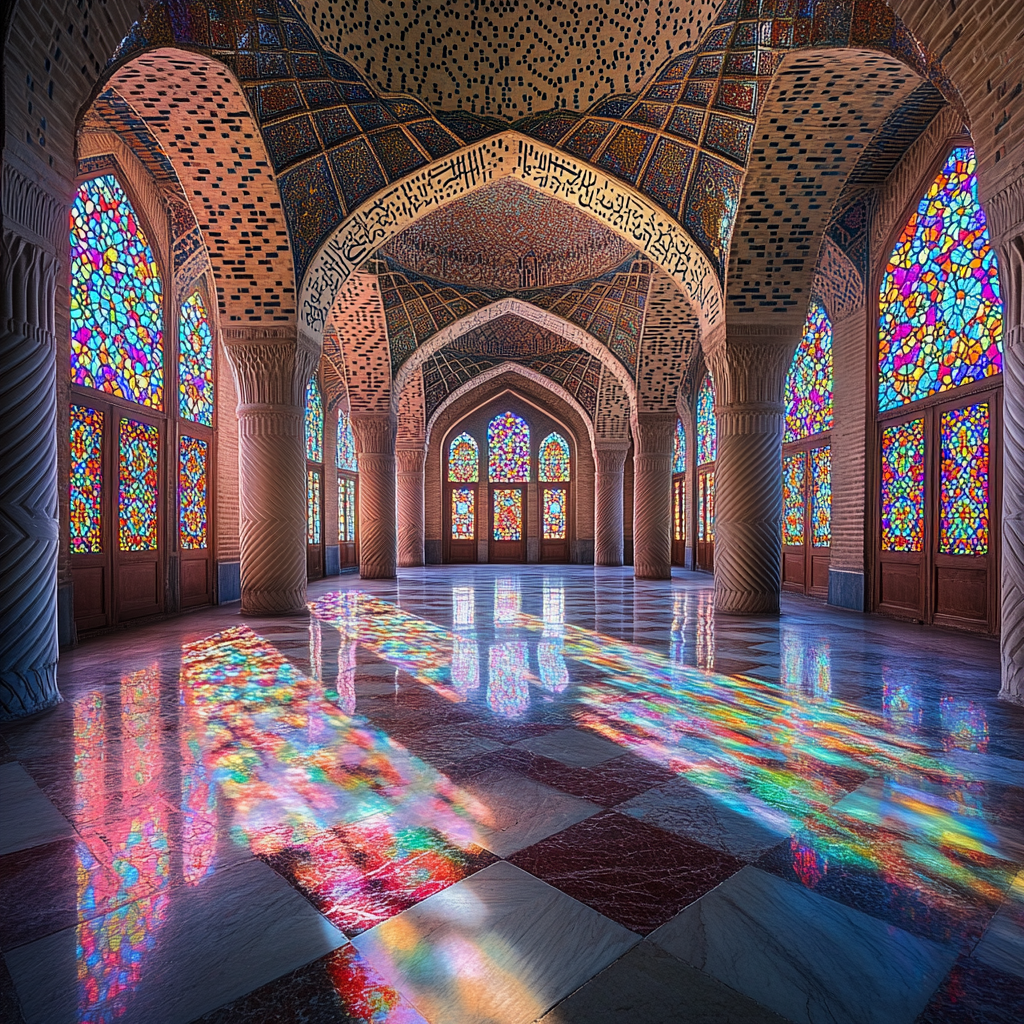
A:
496,795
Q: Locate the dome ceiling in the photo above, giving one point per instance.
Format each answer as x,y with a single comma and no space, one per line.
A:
510,237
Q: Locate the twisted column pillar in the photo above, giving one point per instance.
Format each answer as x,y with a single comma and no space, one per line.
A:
378,536
608,533
652,495
1011,281
749,367
271,367
411,531
28,479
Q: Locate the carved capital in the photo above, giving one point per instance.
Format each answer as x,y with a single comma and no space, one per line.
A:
410,460
374,434
653,433
611,459
29,274
269,364
750,363
38,216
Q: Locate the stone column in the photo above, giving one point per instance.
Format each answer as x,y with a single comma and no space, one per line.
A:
652,490
271,367
608,526
411,530
378,535
749,367
28,466
1011,283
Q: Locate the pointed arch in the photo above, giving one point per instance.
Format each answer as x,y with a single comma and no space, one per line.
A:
808,398
707,423
314,421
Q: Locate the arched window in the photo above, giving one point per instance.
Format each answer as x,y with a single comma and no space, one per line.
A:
707,451
679,495
939,332
116,297
464,460
679,449
314,421
807,459
195,362
940,315
508,447
554,459
348,470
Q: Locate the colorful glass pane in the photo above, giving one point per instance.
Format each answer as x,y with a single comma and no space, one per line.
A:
508,514
139,447
195,362
809,381
508,444
940,314
903,486
554,513
821,497
794,477
679,509
963,517
464,460
464,513
554,459
706,511
313,517
192,492
314,425
346,454
86,480
346,510
117,325
707,425
679,449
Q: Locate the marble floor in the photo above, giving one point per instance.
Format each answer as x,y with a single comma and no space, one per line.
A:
505,795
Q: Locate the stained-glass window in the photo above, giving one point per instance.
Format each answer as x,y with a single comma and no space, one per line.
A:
192,492
508,514
679,449
554,459
554,513
508,444
86,480
314,421
139,448
809,381
313,517
940,314
794,474
903,486
963,518
706,509
679,509
707,425
195,362
116,297
821,497
464,460
463,513
346,454
346,510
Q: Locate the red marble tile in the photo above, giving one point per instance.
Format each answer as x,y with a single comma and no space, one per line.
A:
636,874
359,875
974,993
609,783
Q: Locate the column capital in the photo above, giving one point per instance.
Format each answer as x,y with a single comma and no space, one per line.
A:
749,362
271,363
410,460
375,432
653,432
611,458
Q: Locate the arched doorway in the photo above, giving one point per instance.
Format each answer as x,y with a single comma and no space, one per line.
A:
707,450
508,472
679,495
348,494
314,431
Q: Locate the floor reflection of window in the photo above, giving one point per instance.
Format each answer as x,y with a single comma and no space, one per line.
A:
508,687
554,674
465,665
806,667
508,601
554,607
345,688
463,606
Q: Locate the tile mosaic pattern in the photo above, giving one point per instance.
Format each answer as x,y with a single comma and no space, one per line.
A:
542,793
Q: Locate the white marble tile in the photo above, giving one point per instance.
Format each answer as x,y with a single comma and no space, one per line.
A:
195,947
806,957
27,817
512,812
500,947
576,747
731,821
1002,945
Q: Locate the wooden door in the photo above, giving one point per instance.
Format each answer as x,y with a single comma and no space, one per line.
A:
507,523
679,519
554,522
462,516
195,541
348,526
90,520
314,523
706,518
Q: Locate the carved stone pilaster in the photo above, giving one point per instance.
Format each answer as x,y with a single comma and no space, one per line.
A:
28,479
411,531
652,495
378,536
1011,281
608,526
749,367
271,369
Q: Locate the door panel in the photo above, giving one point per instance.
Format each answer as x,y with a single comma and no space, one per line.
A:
554,512
463,517
507,523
